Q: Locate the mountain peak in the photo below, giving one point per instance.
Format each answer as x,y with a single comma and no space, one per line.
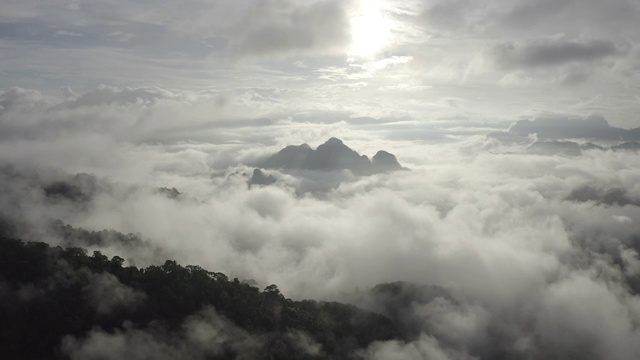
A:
384,161
334,144
260,178
334,140
332,155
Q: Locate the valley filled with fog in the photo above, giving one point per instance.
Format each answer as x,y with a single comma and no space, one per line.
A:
536,254
355,179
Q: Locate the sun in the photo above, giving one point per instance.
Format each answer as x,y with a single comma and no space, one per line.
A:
370,29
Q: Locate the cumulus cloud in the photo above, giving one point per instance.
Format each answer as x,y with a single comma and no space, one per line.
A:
202,335
424,348
507,237
567,48
105,293
491,247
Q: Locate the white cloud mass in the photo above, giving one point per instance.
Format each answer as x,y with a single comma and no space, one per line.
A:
537,254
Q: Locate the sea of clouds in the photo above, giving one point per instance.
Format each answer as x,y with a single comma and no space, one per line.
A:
532,266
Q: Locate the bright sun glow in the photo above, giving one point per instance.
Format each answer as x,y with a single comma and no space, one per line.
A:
370,29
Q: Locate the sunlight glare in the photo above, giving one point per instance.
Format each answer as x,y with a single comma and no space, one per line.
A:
370,29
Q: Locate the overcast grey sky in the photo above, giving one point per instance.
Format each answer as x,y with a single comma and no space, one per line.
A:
409,60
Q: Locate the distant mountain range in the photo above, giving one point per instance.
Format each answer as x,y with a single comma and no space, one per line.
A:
333,155
556,135
593,128
570,148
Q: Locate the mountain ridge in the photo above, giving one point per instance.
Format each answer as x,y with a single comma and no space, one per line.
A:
332,155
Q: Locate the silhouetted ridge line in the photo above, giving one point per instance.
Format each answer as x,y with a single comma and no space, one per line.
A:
333,155
593,128
75,298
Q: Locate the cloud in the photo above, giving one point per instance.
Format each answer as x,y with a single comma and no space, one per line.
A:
526,18
105,293
575,76
202,335
533,255
560,127
614,19
553,52
568,327
529,13
121,114
611,196
452,16
281,27
507,236
204,45
424,348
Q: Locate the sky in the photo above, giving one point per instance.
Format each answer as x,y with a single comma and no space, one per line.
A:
538,251
481,61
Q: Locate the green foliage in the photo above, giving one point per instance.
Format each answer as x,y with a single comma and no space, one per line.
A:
73,237
78,188
55,280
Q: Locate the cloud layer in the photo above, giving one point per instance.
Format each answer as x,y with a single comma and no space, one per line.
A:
531,268
534,254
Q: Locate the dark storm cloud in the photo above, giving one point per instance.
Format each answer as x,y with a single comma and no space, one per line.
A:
553,52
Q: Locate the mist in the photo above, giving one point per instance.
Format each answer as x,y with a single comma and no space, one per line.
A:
498,217
531,264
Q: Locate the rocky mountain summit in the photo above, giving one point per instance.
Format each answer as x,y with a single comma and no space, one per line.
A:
333,155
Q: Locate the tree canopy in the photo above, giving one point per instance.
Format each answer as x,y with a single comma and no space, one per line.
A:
51,294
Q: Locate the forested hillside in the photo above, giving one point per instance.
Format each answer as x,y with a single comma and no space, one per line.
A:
59,303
